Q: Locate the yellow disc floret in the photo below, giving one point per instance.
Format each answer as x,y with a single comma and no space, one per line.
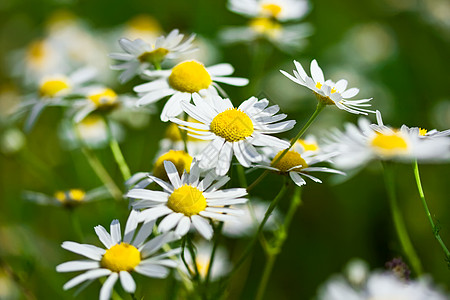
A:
389,144
232,124
180,159
422,132
69,197
121,257
154,57
308,146
189,77
105,98
271,10
187,200
265,26
54,86
289,160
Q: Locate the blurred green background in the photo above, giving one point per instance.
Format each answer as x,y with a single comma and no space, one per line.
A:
394,51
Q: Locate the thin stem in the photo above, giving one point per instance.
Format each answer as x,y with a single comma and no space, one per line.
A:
183,258
319,108
427,211
213,253
117,153
399,223
98,168
280,237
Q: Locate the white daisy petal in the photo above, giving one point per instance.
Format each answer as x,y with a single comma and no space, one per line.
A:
143,234
172,173
225,156
89,275
202,226
106,290
316,72
297,178
86,250
116,235
77,265
156,196
169,222
127,282
236,81
152,270
183,226
220,70
130,227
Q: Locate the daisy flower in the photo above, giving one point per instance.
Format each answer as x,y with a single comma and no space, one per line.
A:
287,38
234,130
358,144
308,144
140,55
281,10
52,92
121,256
187,201
298,164
221,266
328,92
182,82
68,198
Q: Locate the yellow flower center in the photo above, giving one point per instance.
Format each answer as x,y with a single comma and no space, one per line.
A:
422,132
154,57
233,125
389,144
173,133
265,26
73,195
106,98
289,160
36,52
270,9
121,257
318,85
180,159
202,266
51,87
189,77
144,23
333,90
187,200
308,146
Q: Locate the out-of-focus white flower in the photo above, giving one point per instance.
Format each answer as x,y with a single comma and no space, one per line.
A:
281,10
121,256
12,140
234,130
68,198
188,201
173,140
182,82
359,144
328,92
143,27
140,55
221,265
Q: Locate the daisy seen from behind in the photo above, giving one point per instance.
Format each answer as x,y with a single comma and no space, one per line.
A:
281,10
327,91
140,55
297,163
234,130
188,201
182,82
121,257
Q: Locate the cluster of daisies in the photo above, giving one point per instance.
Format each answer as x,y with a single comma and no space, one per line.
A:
188,189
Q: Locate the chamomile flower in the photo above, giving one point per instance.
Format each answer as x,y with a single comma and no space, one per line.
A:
121,256
287,38
182,82
221,266
68,198
429,134
281,10
298,164
140,55
308,144
52,92
234,130
188,201
358,144
100,99
327,91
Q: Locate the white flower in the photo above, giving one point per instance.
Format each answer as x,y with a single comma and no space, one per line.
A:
359,144
188,200
121,256
328,92
221,265
140,55
288,38
379,286
297,163
282,10
52,92
182,82
234,130
68,198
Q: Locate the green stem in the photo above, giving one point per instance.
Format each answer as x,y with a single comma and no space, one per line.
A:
280,237
213,253
98,168
319,108
399,223
117,153
427,211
